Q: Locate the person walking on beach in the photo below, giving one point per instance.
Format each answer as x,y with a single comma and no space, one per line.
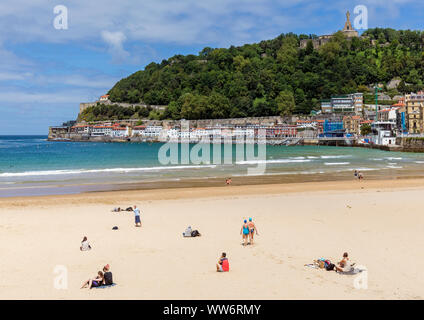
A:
245,232
137,216
355,174
360,176
252,229
223,265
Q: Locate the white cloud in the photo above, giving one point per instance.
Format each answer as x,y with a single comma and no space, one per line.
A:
115,40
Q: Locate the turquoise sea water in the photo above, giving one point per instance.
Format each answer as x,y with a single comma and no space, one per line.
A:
33,165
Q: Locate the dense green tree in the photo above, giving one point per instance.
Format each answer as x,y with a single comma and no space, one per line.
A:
248,80
285,103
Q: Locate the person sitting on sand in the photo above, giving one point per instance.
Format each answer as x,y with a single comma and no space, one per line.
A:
252,229
223,265
344,265
107,276
245,232
137,216
85,246
96,282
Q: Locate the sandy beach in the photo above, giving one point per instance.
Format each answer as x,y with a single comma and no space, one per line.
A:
380,223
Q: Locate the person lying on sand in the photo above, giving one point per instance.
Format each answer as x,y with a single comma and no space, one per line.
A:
252,229
117,209
223,265
85,246
245,232
95,282
344,265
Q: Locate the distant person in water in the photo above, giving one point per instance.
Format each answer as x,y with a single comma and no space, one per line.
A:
252,230
137,216
95,282
228,181
223,265
85,245
245,232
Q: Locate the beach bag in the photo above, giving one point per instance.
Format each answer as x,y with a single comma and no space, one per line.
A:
195,233
330,267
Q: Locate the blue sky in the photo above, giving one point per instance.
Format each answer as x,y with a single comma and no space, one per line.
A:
45,73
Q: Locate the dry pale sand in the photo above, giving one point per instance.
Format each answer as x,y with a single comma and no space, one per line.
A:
380,224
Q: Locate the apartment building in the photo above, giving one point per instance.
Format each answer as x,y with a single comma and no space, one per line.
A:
414,104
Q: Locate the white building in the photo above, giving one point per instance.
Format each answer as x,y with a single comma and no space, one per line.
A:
120,132
152,131
104,98
138,130
99,131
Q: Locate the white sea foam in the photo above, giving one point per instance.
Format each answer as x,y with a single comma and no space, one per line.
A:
336,163
419,161
115,170
394,167
393,158
273,161
336,157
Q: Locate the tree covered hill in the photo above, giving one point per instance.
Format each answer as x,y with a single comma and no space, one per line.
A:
275,77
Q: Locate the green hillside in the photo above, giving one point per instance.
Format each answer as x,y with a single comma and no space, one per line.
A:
275,77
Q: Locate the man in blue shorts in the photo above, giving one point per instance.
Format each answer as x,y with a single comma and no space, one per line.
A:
137,216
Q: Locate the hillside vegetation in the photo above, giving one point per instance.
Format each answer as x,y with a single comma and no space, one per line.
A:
275,77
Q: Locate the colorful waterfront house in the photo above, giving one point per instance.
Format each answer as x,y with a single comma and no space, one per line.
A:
82,129
138,130
333,129
352,124
415,112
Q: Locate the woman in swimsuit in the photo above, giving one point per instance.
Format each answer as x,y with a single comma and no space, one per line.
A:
245,231
96,282
252,229
344,265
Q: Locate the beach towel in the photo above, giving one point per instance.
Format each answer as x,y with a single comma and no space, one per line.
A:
312,265
105,286
352,271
